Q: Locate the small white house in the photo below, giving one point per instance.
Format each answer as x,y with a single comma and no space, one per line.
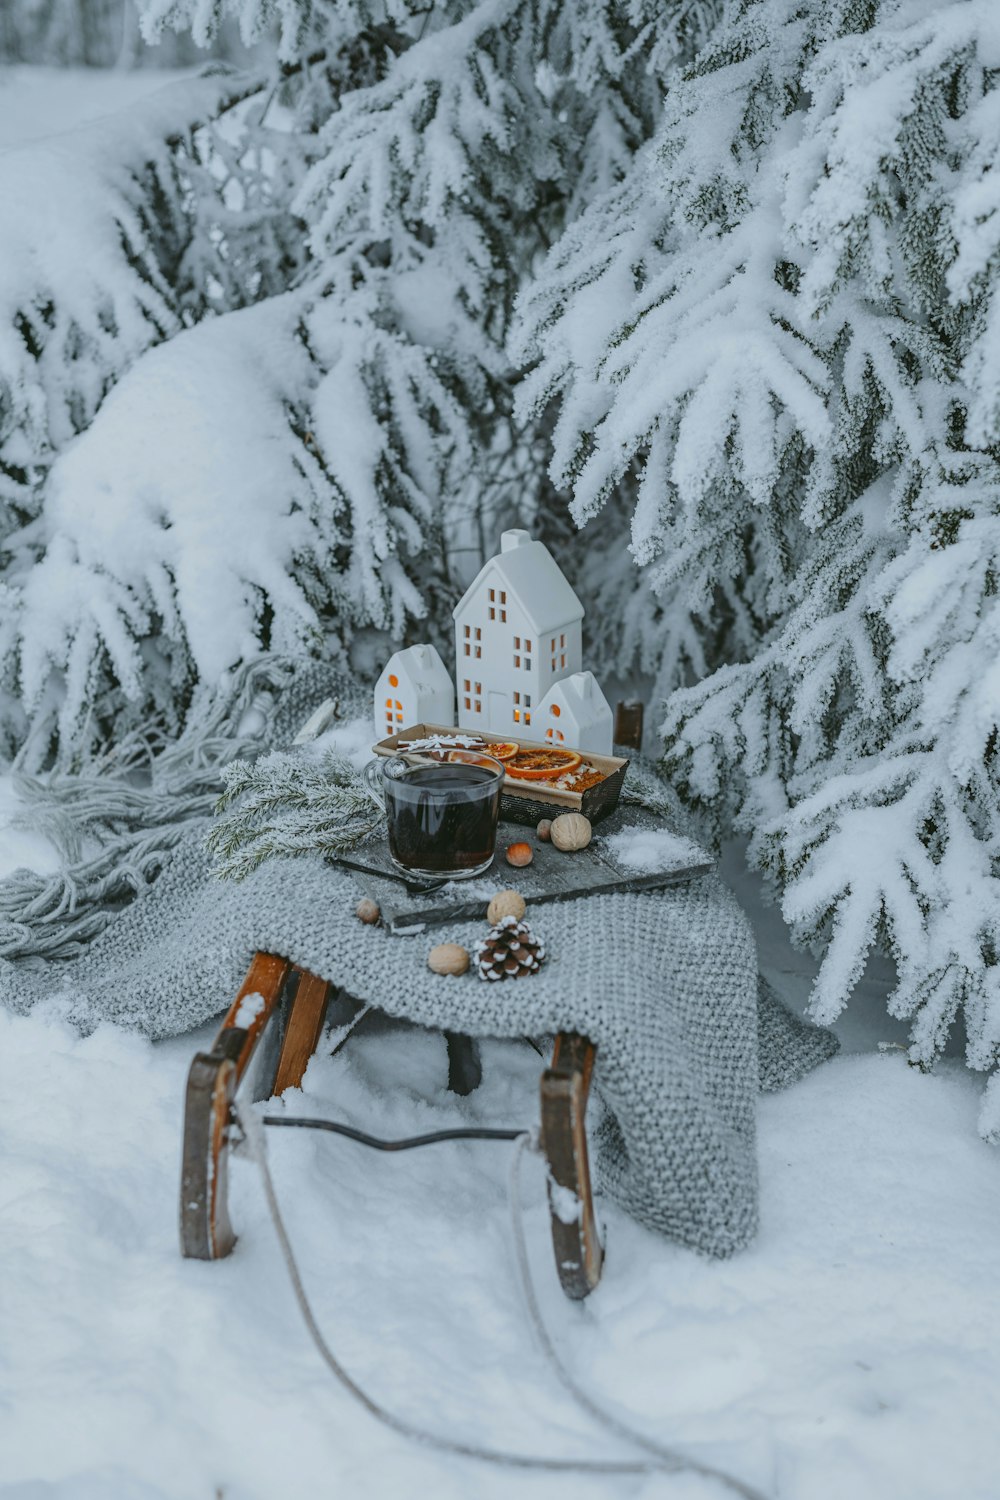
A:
414,688
575,712
518,630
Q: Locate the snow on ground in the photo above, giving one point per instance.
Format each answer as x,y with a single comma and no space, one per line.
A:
853,1351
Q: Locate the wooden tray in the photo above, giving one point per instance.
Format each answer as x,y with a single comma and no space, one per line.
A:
410,906
523,802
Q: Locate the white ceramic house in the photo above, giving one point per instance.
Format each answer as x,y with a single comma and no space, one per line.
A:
575,712
415,688
517,631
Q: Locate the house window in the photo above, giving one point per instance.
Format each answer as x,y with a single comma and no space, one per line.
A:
503,596
466,685
479,651
552,644
467,703
527,663
517,643
493,596
517,660
479,634
527,646
466,646
393,710
562,640
503,616
517,697
393,680
555,711
468,632
556,735
479,688
562,660
493,613
527,708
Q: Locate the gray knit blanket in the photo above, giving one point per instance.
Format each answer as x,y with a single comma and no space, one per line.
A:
665,983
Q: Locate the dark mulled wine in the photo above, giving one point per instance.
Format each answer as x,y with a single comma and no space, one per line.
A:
443,819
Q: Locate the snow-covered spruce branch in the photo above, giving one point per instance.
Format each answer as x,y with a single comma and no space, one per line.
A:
288,804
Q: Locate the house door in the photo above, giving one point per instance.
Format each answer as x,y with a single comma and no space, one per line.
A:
499,715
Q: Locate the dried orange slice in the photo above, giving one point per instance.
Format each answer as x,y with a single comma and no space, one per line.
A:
541,765
503,749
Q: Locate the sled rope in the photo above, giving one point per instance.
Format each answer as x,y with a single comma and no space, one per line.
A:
658,1459
670,1459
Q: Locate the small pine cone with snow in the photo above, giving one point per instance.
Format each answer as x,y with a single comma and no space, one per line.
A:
510,950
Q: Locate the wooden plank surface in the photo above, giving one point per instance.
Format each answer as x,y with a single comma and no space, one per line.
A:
552,876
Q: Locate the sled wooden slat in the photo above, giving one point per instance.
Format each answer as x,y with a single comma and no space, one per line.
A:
575,1238
303,1030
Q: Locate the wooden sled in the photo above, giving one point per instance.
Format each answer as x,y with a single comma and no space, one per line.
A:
284,993
280,1028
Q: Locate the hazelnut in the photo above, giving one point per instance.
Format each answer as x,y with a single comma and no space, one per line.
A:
367,910
520,854
544,830
448,958
505,904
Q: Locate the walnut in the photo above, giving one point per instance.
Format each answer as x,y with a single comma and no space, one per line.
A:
571,831
505,904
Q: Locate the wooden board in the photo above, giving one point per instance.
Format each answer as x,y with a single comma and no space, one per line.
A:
410,906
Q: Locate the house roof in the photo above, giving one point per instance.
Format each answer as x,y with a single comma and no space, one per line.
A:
580,690
421,663
528,570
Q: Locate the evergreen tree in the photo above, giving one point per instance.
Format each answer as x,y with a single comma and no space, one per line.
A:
777,332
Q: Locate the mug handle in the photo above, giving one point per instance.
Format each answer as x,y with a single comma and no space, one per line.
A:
371,780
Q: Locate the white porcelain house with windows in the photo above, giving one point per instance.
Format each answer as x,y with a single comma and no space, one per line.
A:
518,632
415,688
574,712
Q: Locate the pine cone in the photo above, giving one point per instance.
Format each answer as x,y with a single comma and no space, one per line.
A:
510,951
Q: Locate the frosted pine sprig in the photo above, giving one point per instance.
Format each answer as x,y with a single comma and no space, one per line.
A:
287,804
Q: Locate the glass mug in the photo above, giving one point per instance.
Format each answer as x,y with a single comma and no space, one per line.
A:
441,813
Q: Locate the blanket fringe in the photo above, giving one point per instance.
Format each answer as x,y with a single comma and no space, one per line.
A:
115,823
